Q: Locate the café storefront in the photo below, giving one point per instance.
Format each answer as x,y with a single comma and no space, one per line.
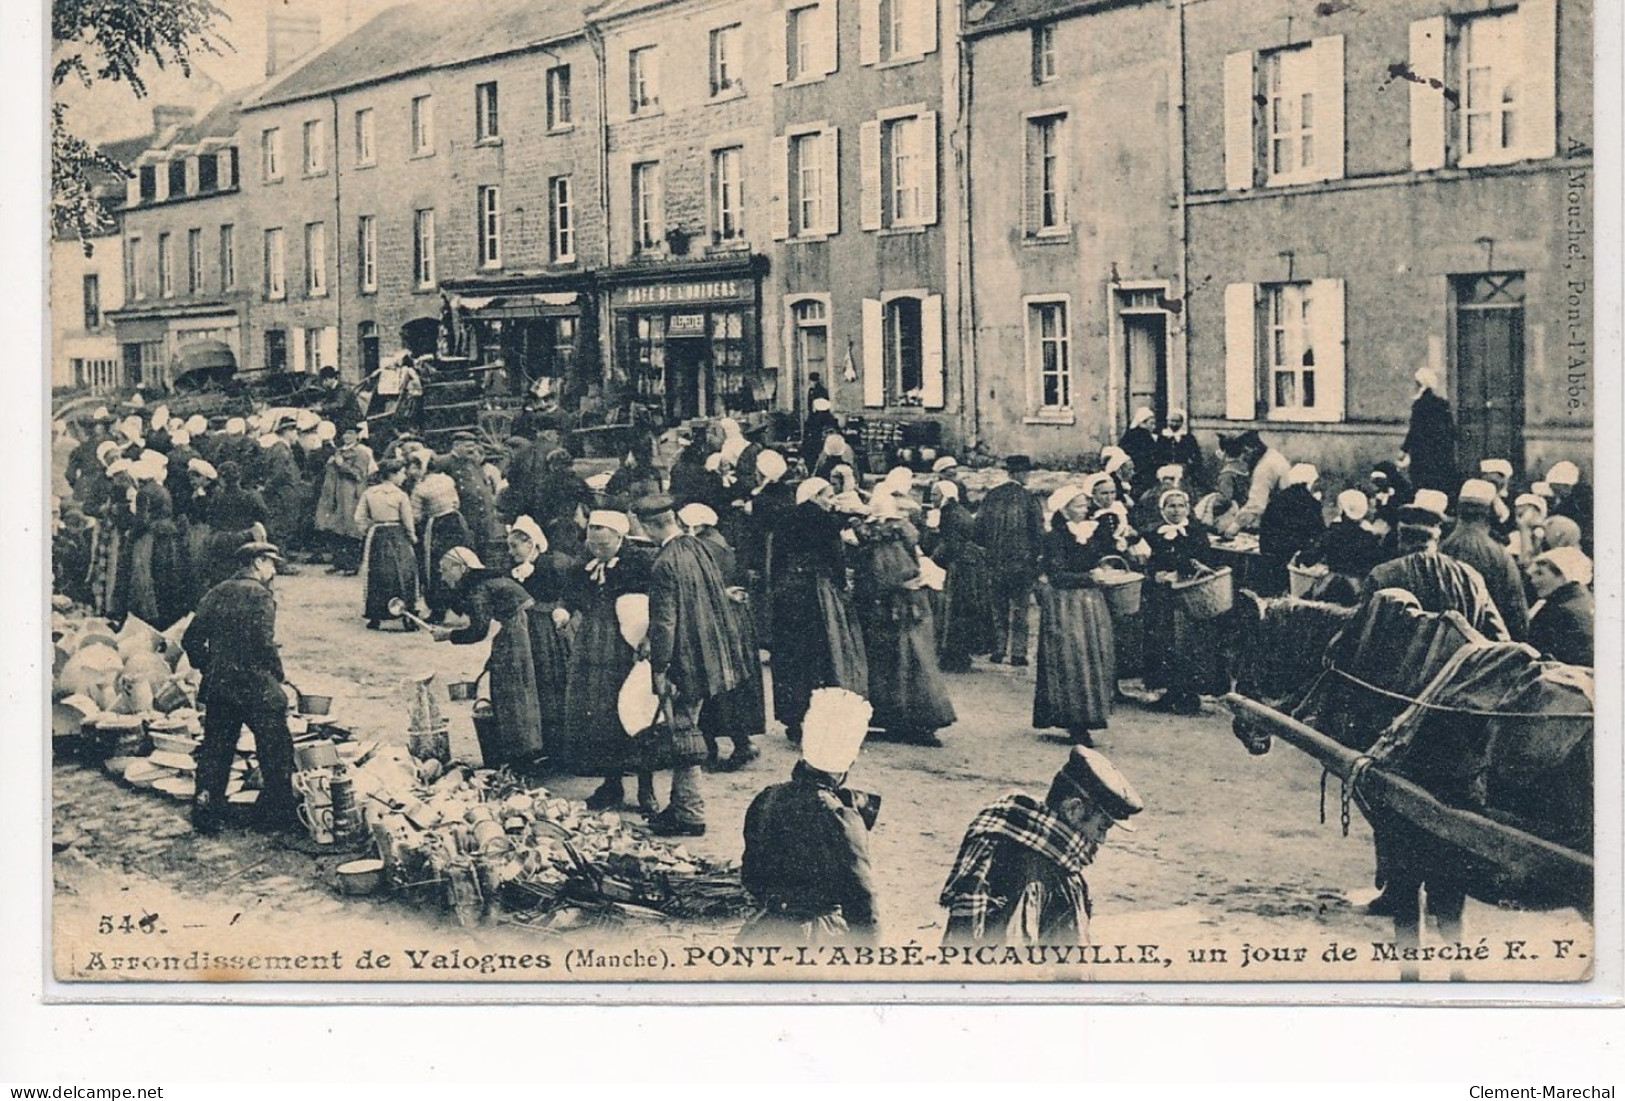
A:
687,340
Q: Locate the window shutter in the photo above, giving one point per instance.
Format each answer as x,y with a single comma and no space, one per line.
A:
330,346
1329,101
932,375
1538,20
779,175
926,12
832,180
871,199
296,349
778,45
1240,352
928,184
869,32
874,358
1239,142
1427,102
829,36
1030,181
1326,317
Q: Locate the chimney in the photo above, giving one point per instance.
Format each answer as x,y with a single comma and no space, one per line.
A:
289,36
166,116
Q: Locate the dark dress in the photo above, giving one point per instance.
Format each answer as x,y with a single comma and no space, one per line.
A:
810,590
964,609
1140,445
1185,451
515,737
1179,655
549,648
159,584
1077,657
740,713
1479,549
1349,550
1291,523
806,864
1564,625
591,741
906,688
389,557
440,535
1431,444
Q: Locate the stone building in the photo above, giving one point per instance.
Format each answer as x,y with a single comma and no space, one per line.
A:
1072,250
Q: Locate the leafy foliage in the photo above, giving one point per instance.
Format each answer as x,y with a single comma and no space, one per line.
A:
96,40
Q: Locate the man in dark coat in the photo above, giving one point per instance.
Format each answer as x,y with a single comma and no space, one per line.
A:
1010,527
806,862
232,642
1018,880
1474,542
1439,582
1430,444
466,465
695,654
1563,627
338,402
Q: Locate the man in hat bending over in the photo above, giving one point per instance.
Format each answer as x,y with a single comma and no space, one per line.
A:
695,654
232,642
1018,879
806,860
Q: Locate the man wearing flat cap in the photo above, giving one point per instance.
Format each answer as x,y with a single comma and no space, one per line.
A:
1473,541
1019,876
232,642
695,653
1010,527
1439,582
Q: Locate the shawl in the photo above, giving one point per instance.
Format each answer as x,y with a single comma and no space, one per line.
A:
1020,820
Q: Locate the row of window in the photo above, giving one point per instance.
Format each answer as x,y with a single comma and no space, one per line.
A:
135,269
1482,92
364,128
199,174
902,345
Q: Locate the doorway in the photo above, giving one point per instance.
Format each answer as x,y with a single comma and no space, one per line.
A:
688,378
1489,320
370,349
1145,355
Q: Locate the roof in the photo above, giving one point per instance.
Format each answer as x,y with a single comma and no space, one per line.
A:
990,16
427,34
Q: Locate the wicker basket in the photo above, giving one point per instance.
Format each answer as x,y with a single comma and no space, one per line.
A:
1120,585
1301,579
424,744
1208,596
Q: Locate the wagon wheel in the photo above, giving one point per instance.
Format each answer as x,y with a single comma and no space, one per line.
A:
494,427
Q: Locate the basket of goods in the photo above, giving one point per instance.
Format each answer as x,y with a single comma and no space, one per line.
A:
1120,585
1301,579
1208,595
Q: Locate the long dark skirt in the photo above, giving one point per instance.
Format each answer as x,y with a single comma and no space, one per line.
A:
1077,663
591,741
1180,655
441,534
517,734
158,576
826,650
905,686
740,712
199,546
964,611
550,654
391,570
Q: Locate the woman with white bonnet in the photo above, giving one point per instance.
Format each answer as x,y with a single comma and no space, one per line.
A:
538,573
833,452
1077,653
1139,443
739,714
1571,498
1176,651
820,423
1292,521
964,608
1348,548
906,687
1428,453
1176,445
389,549
1528,537
591,741
1562,623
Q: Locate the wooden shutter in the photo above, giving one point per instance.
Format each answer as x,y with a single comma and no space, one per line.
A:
829,36
831,147
871,200
1326,322
330,347
1239,140
869,32
1538,22
1240,351
1327,55
778,46
933,380
874,354
779,179
928,183
1427,101
296,348
926,12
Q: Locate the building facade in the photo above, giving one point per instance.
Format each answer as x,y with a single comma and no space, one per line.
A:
185,300
1375,191
1072,248
438,199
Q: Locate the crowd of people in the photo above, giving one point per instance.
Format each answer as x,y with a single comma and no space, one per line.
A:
742,551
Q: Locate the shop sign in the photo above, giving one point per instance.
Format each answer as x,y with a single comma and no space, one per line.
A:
660,294
685,324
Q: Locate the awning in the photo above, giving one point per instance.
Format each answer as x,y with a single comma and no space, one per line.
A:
539,304
207,354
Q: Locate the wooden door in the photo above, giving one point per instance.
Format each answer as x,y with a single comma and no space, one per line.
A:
1489,370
